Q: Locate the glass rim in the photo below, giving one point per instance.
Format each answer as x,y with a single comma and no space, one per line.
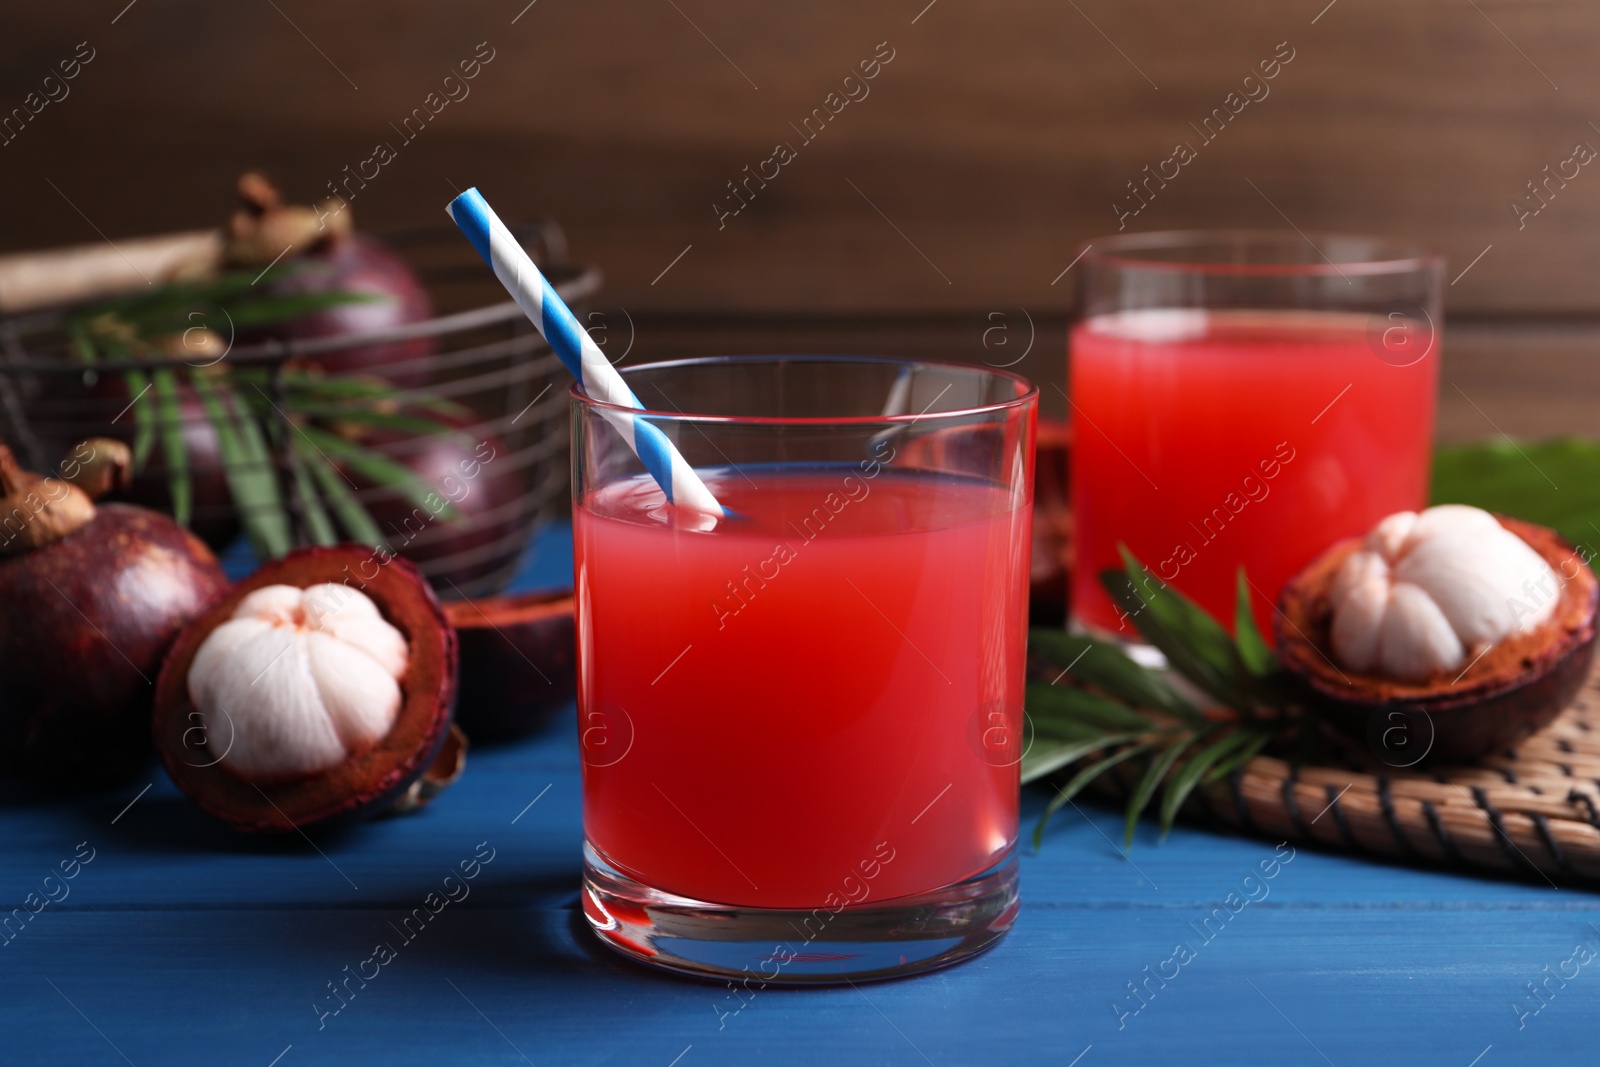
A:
1400,256
1027,392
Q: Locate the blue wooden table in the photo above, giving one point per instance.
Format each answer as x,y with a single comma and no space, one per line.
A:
177,941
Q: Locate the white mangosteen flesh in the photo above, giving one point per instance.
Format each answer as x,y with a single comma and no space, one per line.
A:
1428,593
297,681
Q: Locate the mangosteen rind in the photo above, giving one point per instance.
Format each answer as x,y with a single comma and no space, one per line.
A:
518,662
367,782
1505,696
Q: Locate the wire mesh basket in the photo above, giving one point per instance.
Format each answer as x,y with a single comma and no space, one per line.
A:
507,441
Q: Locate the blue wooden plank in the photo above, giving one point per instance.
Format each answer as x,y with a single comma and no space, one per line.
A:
180,942
546,564
1280,985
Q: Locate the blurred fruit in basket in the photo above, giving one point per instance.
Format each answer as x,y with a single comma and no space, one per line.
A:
96,404
331,445
470,524
1051,568
325,254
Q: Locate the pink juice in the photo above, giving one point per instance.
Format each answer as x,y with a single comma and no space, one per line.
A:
1207,440
802,706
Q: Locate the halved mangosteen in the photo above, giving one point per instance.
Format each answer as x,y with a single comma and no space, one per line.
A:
518,662
317,690
1446,635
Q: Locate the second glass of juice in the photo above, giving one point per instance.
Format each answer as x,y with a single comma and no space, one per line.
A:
1244,399
801,724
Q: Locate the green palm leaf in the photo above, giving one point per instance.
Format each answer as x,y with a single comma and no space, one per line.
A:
251,480
1039,760
144,416
1140,714
318,525
379,468
357,521
1193,642
1068,703
1182,784
254,431
1075,785
1252,647
1154,774
1239,758
1106,666
173,449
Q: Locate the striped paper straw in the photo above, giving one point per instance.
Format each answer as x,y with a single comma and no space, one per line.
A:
599,379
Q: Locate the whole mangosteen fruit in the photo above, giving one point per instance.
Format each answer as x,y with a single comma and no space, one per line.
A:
90,599
327,255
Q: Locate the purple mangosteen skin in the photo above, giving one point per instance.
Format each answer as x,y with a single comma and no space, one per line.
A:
84,623
362,264
1465,729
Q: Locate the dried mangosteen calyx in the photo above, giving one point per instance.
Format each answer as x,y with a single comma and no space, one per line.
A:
298,680
264,227
1425,593
37,511
99,465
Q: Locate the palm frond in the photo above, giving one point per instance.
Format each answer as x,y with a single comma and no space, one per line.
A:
1104,710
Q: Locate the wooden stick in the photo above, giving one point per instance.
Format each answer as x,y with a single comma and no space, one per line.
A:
30,281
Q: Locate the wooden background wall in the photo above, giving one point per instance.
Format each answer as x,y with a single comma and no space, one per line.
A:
996,139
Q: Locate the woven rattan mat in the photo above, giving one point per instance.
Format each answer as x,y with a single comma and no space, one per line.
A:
1532,811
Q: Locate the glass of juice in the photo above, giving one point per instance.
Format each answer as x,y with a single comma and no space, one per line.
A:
801,724
1244,399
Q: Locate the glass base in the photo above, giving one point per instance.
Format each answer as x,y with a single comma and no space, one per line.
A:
784,946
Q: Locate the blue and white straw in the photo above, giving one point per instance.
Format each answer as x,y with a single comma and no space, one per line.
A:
600,380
